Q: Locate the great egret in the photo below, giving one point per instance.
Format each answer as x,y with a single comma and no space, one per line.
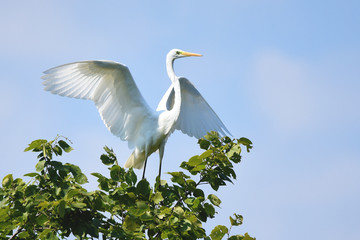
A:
125,112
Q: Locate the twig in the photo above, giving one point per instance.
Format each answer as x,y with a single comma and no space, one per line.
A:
16,233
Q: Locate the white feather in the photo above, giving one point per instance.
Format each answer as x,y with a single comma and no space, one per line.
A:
196,116
125,112
114,92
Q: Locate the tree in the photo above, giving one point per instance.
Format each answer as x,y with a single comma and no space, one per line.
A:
54,205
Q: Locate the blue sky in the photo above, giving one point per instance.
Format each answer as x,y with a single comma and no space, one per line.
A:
284,74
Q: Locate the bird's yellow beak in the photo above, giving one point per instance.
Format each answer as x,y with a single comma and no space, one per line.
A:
191,54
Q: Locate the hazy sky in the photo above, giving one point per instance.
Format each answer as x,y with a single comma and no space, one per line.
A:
285,74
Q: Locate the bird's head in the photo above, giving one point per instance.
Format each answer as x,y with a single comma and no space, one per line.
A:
177,53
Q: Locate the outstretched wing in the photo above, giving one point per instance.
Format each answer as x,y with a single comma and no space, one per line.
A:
196,116
112,88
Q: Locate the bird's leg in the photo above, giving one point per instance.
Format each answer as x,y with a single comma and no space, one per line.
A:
161,154
144,168
159,176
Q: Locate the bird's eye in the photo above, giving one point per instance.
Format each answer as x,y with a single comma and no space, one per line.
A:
178,52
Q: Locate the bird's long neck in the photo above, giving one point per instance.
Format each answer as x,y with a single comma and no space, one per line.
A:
170,68
175,81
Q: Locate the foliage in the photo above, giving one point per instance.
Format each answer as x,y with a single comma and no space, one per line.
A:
54,205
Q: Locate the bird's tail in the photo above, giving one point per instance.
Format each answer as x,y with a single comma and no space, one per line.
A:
136,160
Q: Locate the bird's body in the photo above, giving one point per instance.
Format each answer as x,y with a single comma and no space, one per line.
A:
125,112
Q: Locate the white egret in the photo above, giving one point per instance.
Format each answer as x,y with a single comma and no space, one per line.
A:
125,112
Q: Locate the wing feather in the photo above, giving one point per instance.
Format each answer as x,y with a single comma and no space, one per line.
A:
196,116
110,85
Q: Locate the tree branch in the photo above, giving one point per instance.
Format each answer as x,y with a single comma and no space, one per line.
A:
16,233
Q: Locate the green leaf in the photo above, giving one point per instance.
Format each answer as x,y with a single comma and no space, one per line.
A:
147,216
3,210
76,172
71,193
131,224
104,184
61,208
194,161
98,175
235,149
43,205
24,235
215,182
164,211
44,234
179,177
40,197
199,193
31,174
58,190
206,154
199,167
189,201
179,210
236,237
105,159
7,180
98,202
81,179
40,165
218,232
241,237
214,200
41,219
247,237
191,184
143,188
30,190
246,142
51,236
141,205
204,144
116,172
66,147
157,198
35,144
209,209
57,150
78,205
130,177
238,220
108,158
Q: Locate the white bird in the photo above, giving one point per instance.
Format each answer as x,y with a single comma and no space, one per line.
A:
125,112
